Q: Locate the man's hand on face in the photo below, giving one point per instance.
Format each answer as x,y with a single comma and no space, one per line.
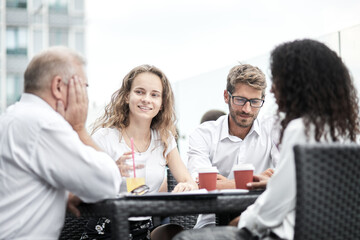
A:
77,104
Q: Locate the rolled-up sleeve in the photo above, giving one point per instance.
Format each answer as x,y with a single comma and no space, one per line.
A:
199,150
91,175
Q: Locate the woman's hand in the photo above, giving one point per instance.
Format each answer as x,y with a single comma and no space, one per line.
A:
184,187
260,181
125,168
268,172
234,222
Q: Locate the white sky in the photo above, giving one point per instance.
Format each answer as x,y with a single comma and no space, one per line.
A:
185,38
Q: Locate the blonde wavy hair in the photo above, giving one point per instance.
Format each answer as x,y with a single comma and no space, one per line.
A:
246,74
117,111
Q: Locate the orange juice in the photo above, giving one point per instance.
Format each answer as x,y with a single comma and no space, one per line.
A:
132,183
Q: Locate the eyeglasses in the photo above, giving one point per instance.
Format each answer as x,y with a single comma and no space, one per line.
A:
241,101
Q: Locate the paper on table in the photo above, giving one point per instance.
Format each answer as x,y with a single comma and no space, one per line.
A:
234,191
203,190
200,192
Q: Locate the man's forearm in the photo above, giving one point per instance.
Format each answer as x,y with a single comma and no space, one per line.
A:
225,184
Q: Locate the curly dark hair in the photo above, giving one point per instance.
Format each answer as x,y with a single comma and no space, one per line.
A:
310,81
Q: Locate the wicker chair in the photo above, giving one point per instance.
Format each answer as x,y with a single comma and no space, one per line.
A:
328,195
187,221
73,227
328,192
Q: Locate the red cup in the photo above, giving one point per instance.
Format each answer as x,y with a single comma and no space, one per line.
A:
243,174
207,178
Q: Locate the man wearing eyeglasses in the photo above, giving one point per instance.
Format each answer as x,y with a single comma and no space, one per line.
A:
239,137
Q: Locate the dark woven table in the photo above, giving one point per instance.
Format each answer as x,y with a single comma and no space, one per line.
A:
119,210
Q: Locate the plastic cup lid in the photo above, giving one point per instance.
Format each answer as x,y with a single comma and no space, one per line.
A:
245,166
208,170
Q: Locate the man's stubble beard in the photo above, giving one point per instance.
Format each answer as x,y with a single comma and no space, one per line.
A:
234,113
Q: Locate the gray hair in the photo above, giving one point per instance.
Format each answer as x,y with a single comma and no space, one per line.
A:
54,61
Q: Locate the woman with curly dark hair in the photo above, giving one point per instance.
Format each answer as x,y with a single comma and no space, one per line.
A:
310,81
317,102
314,91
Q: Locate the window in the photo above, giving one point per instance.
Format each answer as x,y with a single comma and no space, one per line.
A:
58,36
37,11
80,42
14,88
37,5
16,41
38,41
2,98
79,5
58,6
16,3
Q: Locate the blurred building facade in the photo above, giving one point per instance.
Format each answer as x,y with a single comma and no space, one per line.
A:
29,26
196,95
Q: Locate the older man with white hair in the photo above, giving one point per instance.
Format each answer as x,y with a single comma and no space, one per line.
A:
46,152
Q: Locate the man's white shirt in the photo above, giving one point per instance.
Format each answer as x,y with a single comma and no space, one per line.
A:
41,159
212,145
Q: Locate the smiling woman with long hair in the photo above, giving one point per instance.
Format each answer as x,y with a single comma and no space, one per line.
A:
141,113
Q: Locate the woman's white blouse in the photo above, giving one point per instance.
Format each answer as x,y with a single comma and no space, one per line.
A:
275,208
110,140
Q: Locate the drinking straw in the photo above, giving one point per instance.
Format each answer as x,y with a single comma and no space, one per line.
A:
133,157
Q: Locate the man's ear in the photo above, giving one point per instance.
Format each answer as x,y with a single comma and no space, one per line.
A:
226,96
56,87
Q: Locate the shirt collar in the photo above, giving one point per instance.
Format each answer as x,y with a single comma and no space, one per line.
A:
225,128
256,127
32,98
